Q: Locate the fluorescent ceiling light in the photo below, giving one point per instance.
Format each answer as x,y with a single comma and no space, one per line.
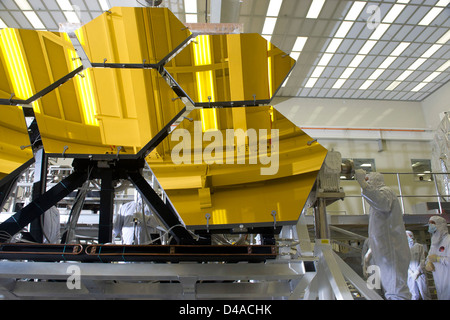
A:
432,76
393,85
419,86
417,63
274,8
104,5
334,45
190,6
431,51
366,84
338,84
376,74
34,19
191,18
343,29
387,62
317,72
367,47
269,25
71,17
442,3
2,24
444,38
23,4
295,54
325,59
311,82
405,74
444,66
299,43
357,60
347,73
400,48
65,5
393,13
314,10
430,16
355,10
379,31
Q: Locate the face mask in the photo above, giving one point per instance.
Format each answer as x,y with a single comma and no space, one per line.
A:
431,228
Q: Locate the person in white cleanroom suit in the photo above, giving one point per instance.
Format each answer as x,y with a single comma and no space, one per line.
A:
387,235
51,226
134,222
438,260
417,279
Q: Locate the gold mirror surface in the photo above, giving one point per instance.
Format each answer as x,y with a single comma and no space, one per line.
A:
238,165
232,69
15,147
132,35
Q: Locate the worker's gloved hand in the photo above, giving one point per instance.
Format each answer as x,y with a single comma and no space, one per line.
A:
433,258
360,176
430,266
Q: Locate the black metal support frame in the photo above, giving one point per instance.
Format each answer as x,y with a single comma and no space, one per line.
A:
42,203
106,167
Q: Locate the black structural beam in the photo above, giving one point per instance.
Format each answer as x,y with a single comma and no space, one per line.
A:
165,212
41,204
105,225
44,91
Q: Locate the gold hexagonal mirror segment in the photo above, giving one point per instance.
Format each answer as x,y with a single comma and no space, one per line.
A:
232,166
230,70
98,111
14,139
126,35
32,61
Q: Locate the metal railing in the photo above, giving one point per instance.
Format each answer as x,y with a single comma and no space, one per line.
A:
441,198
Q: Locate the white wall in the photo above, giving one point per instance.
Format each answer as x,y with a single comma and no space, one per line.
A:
436,104
355,129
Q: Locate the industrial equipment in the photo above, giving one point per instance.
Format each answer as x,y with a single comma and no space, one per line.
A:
134,91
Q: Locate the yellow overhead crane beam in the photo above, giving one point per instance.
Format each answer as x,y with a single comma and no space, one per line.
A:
124,101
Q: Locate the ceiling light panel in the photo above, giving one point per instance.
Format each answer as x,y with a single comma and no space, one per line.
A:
104,5
190,6
274,8
23,5
315,8
34,20
269,25
430,16
299,43
65,5
393,13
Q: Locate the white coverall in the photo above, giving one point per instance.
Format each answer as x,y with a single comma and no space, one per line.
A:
132,225
387,235
417,281
438,260
51,226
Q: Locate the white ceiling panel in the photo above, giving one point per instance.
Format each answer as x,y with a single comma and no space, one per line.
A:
292,22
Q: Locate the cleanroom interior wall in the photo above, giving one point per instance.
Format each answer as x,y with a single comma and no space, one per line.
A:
395,157
390,132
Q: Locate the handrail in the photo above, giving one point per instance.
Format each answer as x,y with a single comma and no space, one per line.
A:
401,195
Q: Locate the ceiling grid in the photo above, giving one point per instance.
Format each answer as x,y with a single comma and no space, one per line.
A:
408,76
